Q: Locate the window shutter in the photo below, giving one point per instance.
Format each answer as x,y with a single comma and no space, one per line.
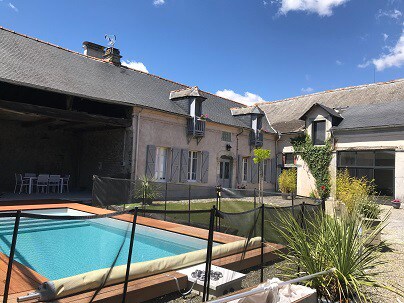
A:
175,165
239,169
150,161
184,165
204,166
269,170
249,172
254,171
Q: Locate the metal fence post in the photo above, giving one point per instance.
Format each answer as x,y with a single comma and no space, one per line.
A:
189,204
11,257
303,216
262,240
206,281
165,202
132,236
323,204
255,198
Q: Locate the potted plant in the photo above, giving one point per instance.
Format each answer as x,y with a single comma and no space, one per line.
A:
147,190
203,117
396,203
370,211
287,183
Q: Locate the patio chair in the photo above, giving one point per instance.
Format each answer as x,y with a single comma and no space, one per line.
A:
27,175
54,183
42,184
64,183
21,183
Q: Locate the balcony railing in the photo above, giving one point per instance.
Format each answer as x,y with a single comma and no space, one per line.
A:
196,127
256,139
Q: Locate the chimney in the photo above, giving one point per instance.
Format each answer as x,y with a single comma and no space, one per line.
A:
93,50
112,55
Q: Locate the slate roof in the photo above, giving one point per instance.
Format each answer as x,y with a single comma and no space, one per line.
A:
30,62
284,114
389,114
329,110
238,111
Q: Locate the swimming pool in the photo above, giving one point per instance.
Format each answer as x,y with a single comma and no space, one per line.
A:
58,248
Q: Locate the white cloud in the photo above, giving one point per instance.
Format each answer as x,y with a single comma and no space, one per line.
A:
385,36
395,57
247,99
320,7
13,7
135,65
264,2
394,14
159,2
307,90
338,62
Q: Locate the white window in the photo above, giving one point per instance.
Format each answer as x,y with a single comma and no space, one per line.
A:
245,170
161,164
192,165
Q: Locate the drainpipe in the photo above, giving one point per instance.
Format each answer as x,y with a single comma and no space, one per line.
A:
276,160
237,166
135,149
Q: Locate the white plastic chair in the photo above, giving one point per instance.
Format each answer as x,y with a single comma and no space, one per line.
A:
29,175
54,183
42,183
21,183
64,182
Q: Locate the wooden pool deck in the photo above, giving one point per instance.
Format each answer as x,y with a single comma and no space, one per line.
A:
25,280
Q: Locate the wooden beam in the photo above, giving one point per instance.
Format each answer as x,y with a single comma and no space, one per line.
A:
61,114
38,122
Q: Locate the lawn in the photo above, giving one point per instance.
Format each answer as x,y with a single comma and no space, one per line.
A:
238,224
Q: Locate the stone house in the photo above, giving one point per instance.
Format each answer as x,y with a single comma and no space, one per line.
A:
364,123
64,112
85,114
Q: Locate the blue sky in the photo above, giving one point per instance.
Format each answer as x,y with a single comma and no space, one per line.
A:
248,50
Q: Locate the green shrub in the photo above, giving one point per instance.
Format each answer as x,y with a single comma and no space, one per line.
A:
147,189
326,242
370,209
288,181
353,191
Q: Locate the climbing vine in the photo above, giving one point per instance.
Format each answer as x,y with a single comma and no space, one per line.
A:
318,159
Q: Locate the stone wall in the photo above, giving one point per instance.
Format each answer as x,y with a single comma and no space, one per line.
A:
35,149
41,149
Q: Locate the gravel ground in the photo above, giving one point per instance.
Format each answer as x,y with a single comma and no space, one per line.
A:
391,273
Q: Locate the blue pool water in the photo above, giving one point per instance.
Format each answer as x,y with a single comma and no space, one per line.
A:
58,249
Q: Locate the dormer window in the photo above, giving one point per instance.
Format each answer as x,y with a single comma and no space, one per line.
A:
318,132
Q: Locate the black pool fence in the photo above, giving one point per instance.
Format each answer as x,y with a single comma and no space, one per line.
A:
255,222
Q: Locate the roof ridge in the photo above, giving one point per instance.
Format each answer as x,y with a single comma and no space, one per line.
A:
103,61
334,90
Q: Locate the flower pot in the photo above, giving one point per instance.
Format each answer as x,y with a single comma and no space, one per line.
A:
372,224
285,196
396,204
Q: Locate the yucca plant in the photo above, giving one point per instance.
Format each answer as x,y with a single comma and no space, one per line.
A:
324,242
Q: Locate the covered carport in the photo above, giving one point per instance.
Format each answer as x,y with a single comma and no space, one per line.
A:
46,132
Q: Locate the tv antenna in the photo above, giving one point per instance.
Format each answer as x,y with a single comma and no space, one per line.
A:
111,40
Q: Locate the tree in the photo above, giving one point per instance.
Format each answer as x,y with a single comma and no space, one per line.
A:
260,155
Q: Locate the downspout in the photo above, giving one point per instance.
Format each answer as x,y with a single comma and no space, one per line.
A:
238,164
276,160
136,147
